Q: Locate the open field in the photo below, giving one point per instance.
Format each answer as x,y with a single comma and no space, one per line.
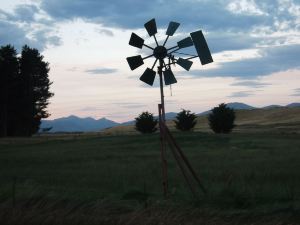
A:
97,179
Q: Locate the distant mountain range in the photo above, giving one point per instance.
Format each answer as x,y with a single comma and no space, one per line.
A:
77,124
292,105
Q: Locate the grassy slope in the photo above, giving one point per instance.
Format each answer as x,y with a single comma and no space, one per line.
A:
276,120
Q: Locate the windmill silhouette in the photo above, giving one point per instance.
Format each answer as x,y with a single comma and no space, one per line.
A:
164,69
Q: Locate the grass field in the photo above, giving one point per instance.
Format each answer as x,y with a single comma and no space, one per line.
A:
252,178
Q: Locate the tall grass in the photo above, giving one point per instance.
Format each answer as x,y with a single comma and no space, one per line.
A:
86,180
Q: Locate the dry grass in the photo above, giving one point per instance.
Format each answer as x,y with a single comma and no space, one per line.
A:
42,211
120,130
274,120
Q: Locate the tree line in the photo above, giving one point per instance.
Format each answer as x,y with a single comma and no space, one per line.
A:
24,91
220,119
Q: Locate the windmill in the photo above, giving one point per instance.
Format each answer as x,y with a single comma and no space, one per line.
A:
164,70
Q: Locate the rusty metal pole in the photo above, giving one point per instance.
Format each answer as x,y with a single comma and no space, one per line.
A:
163,153
162,97
162,120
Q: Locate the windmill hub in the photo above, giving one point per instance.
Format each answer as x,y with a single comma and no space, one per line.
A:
160,52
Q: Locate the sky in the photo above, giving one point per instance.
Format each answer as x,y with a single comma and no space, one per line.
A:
255,45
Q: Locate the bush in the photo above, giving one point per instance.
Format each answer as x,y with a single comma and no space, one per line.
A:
185,120
145,123
221,119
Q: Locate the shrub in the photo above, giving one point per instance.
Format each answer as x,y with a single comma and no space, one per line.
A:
221,119
185,120
145,123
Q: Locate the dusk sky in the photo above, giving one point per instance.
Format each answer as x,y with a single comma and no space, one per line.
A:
255,46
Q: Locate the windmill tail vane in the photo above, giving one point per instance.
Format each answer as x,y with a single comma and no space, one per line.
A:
160,52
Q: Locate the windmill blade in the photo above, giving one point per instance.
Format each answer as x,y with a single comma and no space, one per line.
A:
184,63
169,77
172,28
151,27
201,47
135,61
136,41
187,42
148,76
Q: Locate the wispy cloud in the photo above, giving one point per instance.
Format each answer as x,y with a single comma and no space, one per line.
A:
241,94
101,71
271,60
106,32
73,69
250,83
296,92
129,105
90,109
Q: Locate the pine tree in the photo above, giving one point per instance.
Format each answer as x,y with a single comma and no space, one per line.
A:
185,120
34,86
145,123
221,119
8,87
24,91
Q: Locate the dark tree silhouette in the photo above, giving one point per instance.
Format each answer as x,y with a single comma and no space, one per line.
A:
35,86
8,87
221,119
145,123
185,120
24,91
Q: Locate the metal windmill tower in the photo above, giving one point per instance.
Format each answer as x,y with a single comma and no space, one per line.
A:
164,70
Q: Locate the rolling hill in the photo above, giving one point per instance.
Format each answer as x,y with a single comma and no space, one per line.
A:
247,116
262,120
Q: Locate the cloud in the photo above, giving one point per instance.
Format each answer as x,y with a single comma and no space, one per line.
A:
248,7
240,94
106,32
25,13
43,38
226,41
296,92
102,71
130,105
271,60
22,27
9,30
242,22
229,25
250,83
90,109
229,41
73,69
134,13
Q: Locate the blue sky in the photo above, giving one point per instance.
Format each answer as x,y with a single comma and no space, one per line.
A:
255,46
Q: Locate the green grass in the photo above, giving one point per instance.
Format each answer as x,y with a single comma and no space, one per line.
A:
244,173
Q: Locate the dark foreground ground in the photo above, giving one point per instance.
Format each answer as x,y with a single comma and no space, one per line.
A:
251,179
